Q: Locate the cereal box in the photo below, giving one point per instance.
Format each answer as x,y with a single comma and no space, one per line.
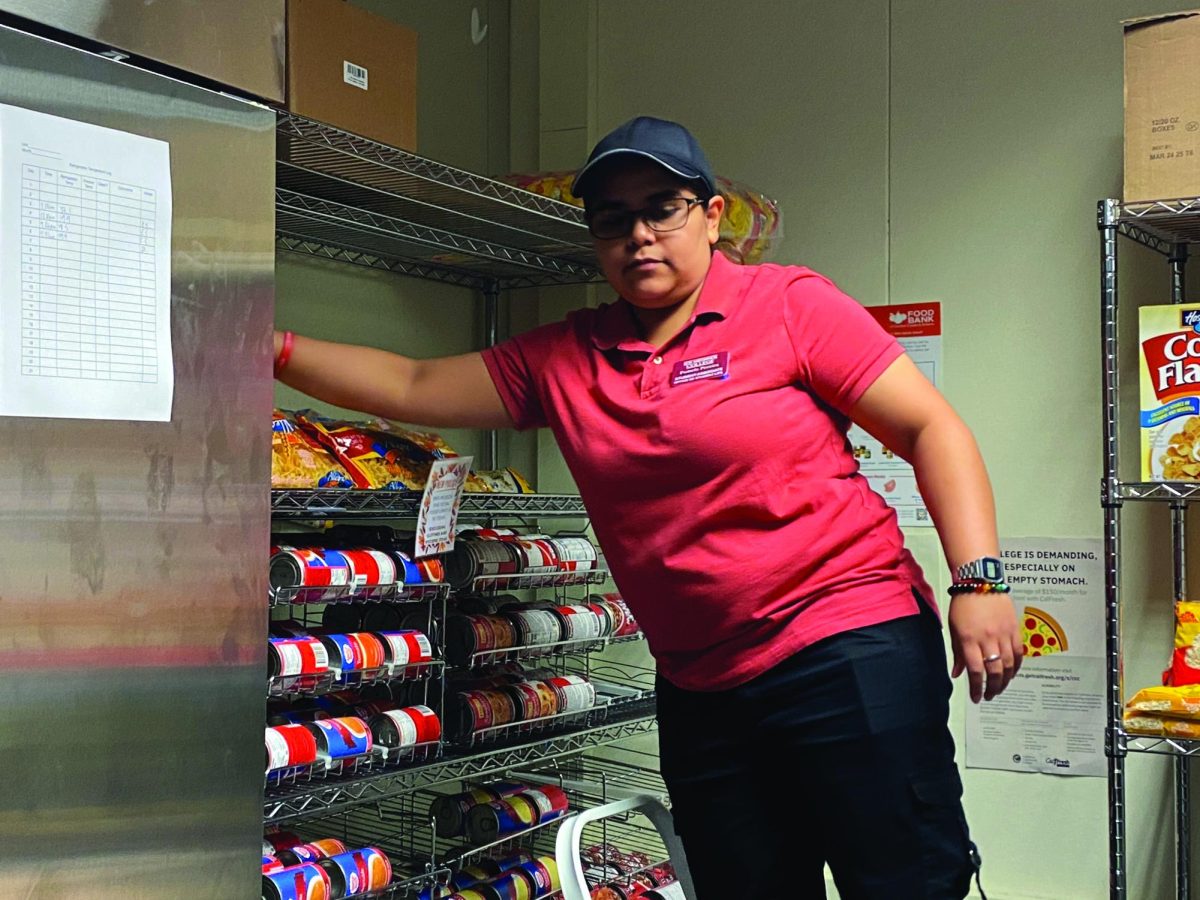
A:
1170,392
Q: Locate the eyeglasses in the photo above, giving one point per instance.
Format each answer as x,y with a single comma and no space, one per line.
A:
665,215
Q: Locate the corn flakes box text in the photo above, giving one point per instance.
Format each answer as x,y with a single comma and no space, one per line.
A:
1170,392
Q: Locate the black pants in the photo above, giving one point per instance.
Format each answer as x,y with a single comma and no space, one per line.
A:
840,755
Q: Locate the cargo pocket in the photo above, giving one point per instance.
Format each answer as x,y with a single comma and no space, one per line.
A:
946,848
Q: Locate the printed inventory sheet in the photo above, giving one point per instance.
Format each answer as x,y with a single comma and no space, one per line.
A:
85,271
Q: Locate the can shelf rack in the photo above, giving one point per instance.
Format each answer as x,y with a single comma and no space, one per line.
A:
1167,227
345,198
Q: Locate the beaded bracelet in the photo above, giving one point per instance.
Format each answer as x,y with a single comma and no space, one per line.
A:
978,587
285,352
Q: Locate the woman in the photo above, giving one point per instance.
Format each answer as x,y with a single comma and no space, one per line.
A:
803,693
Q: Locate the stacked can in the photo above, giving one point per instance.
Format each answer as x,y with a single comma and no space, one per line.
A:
450,812
624,623
313,851
304,882
397,730
289,746
296,656
473,564
537,628
303,575
575,554
470,636
359,651
341,738
356,872
490,822
584,623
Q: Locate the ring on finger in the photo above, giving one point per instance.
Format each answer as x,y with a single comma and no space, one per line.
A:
995,657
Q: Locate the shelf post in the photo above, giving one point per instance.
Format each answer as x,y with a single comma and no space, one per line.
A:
491,335
1115,749
1182,764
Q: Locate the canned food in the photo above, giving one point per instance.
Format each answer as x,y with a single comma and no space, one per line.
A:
574,554
341,738
580,623
473,894
501,818
470,561
551,802
604,614
398,729
484,709
537,555
574,692
370,649
537,627
279,840
549,698
600,874
475,874
313,851
450,812
306,882
526,699
307,574
405,648
514,884
368,568
270,864
544,880
431,569
513,858
289,745
345,653
408,571
356,872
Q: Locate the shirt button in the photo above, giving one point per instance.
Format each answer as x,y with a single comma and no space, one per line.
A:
657,360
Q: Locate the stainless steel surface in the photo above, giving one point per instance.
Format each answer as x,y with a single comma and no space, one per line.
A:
134,599
236,42
344,197
1110,381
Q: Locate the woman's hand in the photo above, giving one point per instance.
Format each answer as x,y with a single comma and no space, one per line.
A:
986,639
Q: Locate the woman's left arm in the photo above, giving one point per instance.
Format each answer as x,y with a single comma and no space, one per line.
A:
909,416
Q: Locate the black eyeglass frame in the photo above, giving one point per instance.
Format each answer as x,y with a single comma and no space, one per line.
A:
633,216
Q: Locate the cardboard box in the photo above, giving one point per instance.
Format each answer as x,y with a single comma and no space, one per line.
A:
1162,107
353,70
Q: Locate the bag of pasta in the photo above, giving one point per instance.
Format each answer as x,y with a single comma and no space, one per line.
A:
751,225
370,456
419,449
299,462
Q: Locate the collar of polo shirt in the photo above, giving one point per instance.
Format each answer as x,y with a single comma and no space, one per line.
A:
616,327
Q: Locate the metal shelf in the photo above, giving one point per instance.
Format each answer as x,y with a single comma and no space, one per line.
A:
344,197
1158,490
309,801
346,504
390,593
1161,224
536,652
292,686
491,585
1162,746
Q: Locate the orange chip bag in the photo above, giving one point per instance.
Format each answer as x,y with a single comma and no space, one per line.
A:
1185,660
297,461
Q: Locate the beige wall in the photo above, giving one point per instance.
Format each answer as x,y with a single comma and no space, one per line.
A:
950,150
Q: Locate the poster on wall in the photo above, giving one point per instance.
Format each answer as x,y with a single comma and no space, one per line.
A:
1051,717
918,328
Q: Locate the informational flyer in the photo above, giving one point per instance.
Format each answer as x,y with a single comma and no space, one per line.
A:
85,271
1051,718
918,328
439,505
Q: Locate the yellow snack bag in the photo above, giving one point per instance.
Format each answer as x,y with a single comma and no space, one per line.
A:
1182,701
1161,726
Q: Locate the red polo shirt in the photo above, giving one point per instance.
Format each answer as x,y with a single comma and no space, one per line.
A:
730,509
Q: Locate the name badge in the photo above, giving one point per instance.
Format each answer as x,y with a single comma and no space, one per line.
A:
715,365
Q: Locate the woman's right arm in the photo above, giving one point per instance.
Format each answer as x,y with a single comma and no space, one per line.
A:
445,392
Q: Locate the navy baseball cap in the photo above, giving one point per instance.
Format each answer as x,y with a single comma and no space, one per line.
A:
667,143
